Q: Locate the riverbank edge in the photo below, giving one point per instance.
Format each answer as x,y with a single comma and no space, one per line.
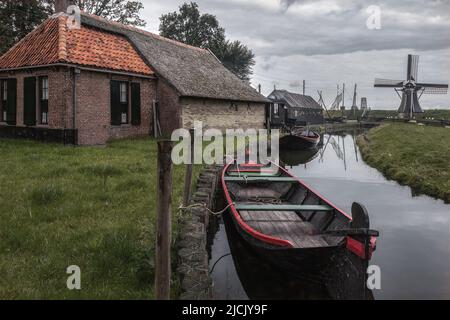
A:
192,253
391,172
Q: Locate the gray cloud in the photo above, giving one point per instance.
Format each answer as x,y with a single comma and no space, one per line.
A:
327,42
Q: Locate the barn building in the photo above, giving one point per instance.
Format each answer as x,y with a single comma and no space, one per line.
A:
105,81
288,108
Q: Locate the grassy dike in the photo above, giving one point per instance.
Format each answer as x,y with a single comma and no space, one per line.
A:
92,207
417,156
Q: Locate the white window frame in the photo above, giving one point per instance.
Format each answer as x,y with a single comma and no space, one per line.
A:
123,92
276,108
44,88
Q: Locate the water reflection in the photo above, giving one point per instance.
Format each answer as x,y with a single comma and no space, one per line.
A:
414,245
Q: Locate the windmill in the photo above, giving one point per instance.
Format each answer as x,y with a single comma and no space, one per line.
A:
411,89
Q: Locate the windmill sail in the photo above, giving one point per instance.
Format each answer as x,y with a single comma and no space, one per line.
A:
413,65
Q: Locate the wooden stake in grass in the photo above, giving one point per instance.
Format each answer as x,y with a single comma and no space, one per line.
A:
163,224
188,176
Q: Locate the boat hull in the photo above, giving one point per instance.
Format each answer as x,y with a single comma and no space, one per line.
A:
297,142
341,273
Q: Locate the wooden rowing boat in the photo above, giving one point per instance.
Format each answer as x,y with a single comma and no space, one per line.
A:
300,140
295,227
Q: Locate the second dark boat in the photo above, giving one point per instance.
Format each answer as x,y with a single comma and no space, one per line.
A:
300,140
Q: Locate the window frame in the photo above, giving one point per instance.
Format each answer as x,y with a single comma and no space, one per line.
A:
276,109
43,99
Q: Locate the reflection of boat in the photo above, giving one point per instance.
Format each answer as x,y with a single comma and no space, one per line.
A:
297,140
294,227
250,269
297,157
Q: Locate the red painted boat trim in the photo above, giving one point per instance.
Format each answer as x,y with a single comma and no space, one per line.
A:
359,249
252,232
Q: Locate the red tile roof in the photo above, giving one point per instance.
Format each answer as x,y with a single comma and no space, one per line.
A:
52,42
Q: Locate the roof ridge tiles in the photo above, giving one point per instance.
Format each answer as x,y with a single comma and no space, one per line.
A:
62,38
142,31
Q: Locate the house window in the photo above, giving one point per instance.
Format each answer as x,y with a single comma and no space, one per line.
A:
43,99
295,113
275,109
119,102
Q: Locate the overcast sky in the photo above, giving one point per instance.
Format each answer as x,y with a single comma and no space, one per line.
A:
327,42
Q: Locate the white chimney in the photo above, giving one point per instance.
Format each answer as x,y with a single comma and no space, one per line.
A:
62,5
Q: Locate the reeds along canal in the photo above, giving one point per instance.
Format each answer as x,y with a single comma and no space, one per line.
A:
413,251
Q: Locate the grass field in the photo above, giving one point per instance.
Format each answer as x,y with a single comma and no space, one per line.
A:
418,156
92,207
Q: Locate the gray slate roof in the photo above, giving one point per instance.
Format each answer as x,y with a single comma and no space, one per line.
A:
294,100
194,72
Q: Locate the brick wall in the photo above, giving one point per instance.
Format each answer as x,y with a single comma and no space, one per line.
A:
58,79
94,108
93,119
222,114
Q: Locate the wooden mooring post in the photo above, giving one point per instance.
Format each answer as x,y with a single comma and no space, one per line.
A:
163,220
188,175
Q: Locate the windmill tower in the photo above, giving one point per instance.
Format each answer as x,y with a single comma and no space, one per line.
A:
411,89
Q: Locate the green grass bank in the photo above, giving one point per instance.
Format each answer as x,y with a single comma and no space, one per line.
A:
92,207
417,156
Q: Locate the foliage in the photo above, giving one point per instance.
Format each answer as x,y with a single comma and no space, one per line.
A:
18,18
189,26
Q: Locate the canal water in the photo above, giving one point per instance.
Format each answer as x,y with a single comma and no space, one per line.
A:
413,250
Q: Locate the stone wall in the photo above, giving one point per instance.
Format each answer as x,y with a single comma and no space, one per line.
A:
222,114
193,268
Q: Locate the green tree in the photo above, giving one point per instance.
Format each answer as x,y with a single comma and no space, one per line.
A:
18,18
237,58
189,26
123,11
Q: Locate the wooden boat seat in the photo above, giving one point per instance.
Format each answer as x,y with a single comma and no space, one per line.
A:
285,225
282,207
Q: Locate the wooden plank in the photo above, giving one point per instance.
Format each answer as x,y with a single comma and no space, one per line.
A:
163,221
281,207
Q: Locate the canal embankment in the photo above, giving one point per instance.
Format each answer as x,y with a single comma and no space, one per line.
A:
194,223
413,155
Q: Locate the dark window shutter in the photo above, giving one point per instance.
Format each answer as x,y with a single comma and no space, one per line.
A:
115,103
29,101
136,104
12,101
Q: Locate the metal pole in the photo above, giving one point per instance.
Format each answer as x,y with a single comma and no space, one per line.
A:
163,221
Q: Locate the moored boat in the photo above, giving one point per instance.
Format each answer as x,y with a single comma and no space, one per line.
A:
294,227
299,140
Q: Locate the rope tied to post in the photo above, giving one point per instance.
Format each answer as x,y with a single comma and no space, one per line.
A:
205,206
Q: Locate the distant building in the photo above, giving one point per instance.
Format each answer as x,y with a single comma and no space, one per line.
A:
288,108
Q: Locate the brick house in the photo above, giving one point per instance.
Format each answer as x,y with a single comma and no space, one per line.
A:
105,81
